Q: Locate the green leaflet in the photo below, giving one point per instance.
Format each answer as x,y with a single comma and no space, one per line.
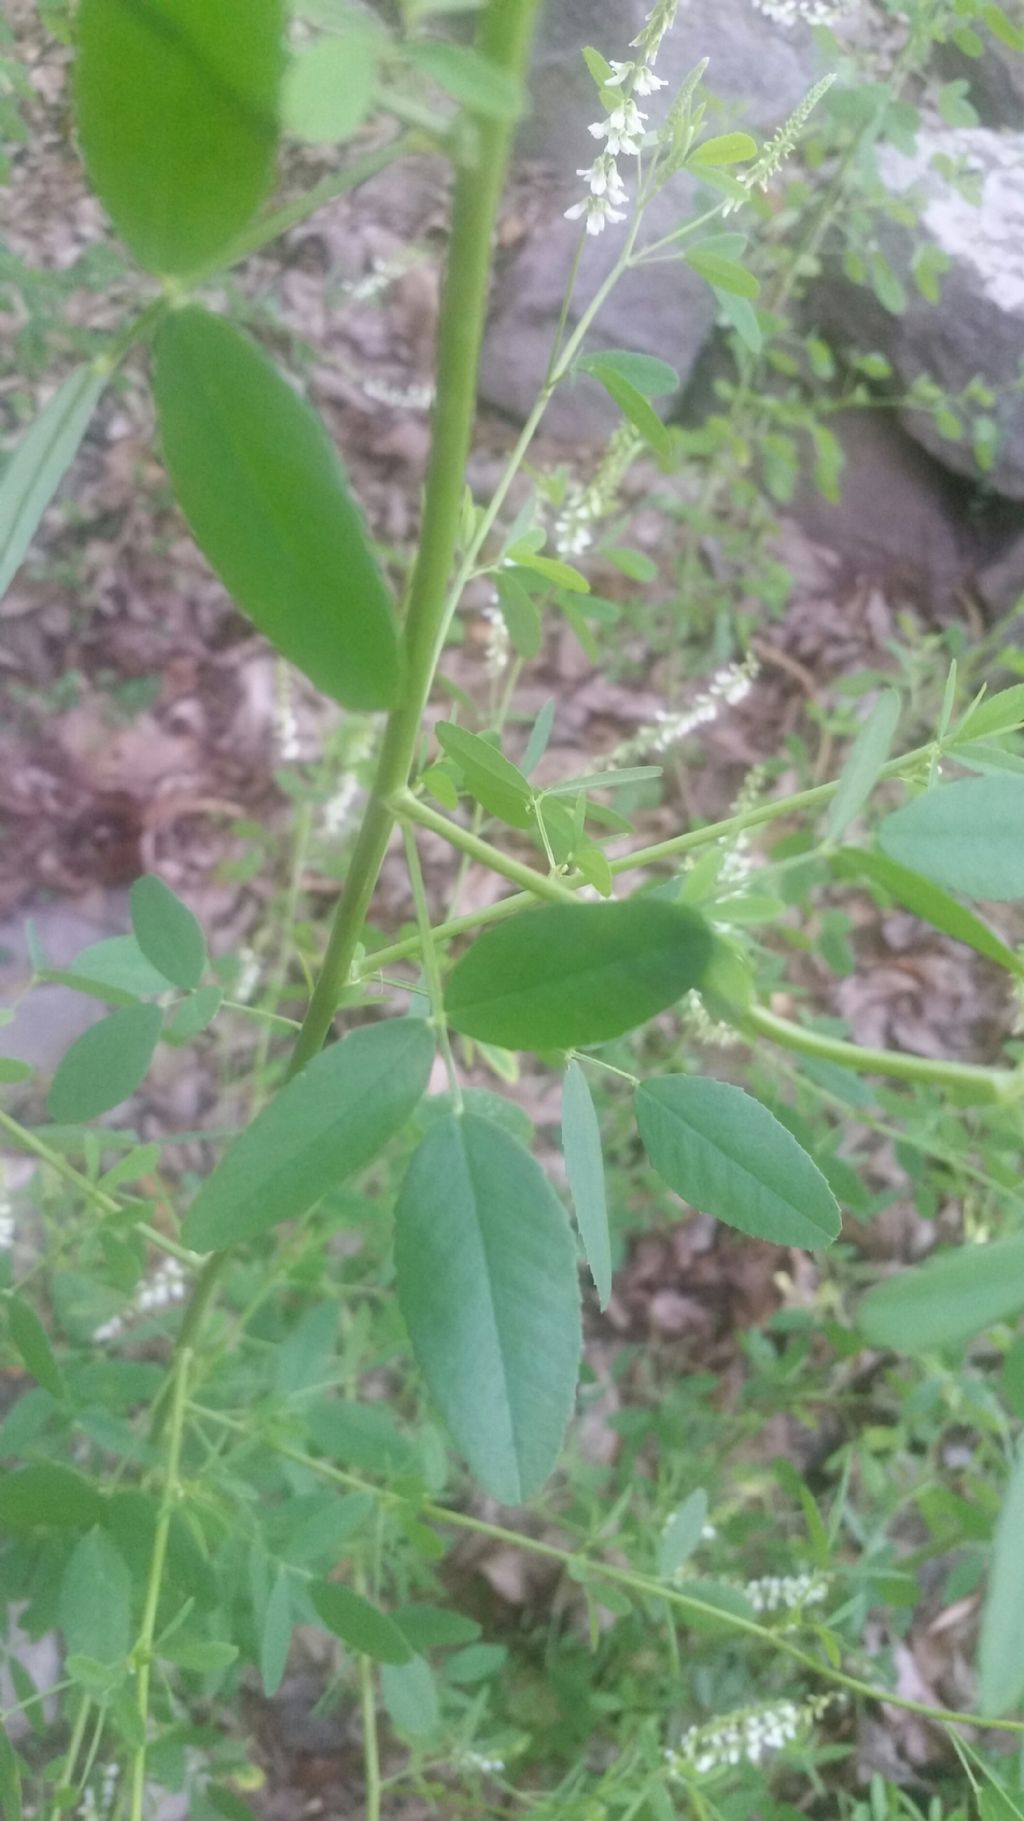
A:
968,836
927,901
647,375
39,464
725,148
492,779
167,932
410,1696
95,1606
729,1156
946,1300
32,1342
276,1635
44,1495
325,1124
266,498
1000,1658
105,1064
467,77
177,120
329,87
488,1290
362,1627
571,975
861,772
581,1147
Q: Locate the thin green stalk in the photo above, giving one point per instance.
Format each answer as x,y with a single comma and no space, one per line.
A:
999,1086
694,838
504,38
74,1747
143,1652
540,885
644,1585
279,976
28,1140
430,963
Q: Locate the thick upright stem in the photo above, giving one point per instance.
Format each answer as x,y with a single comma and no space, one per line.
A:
504,38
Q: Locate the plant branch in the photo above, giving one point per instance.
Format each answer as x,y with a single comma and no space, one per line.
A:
504,38
693,839
539,885
143,1653
982,1085
644,1585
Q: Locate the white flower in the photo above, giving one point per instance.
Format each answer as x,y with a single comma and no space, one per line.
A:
726,688
743,1736
603,179
496,651
598,211
623,129
647,83
787,1592
248,975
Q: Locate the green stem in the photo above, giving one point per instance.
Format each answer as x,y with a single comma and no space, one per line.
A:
983,1085
28,1140
540,885
644,1585
504,38
430,963
143,1652
694,838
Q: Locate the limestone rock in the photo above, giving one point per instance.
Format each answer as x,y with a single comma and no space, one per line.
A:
978,328
759,69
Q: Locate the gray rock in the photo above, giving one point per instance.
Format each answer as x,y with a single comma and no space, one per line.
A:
899,521
978,329
759,70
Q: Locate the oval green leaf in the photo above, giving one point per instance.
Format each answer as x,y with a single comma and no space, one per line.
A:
581,1147
863,767
1000,1657
927,901
635,408
45,1495
410,1696
325,1124
726,148
497,784
645,373
39,464
177,120
328,89
723,274
364,1628
266,498
30,1338
968,836
723,1152
572,975
95,1601
468,77
488,1290
167,932
945,1301
276,1634
105,1064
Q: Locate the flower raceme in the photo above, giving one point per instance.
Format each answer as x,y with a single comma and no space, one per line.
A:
624,125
